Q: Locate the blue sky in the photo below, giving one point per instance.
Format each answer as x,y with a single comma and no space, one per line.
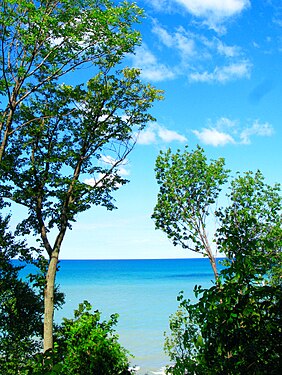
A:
219,63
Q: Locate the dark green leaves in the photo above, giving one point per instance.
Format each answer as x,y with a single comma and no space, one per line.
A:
235,327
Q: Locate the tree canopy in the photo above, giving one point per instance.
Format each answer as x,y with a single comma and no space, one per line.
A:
44,41
189,188
235,327
70,114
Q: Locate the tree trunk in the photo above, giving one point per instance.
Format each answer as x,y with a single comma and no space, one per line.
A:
208,250
213,264
49,301
5,127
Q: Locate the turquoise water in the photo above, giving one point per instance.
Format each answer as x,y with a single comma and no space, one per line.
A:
142,292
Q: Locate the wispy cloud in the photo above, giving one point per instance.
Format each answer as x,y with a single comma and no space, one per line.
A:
151,68
190,54
224,73
228,51
257,129
180,40
157,133
226,131
213,13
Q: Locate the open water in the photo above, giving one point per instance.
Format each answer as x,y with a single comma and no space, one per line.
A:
143,293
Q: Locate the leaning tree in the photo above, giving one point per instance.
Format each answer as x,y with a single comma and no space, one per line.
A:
189,188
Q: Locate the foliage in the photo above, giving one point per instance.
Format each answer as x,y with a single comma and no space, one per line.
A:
81,133
83,345
189,187
55,136
86,345
20,306
43,41
21,301
235,327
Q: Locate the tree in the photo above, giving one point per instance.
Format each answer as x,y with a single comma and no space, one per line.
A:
43,41
20,306
235,327
83,345
21,301
189,187
57,135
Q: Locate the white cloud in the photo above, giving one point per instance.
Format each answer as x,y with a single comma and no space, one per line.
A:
157,73
122,171
180,40
225,131
225,123
107,159
199,58
213,137
144,56
228,51
160,5
224,74
102,177
99,180
170,135
214,11
157,133
257,129
90,181
147,137
164,36
151,69
223,8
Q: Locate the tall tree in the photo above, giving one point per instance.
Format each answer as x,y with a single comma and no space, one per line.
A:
56,135
42,41
235,327
189,188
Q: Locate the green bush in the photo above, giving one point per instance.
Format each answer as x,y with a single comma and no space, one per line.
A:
235,327
85,345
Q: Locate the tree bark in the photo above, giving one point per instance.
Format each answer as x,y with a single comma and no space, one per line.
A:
213,264
49,301
208,250
5,127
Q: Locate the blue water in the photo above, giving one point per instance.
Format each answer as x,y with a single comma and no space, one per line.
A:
142,292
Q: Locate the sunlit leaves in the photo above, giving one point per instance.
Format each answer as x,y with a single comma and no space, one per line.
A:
43,41
189,187
85,344
238,320
69,129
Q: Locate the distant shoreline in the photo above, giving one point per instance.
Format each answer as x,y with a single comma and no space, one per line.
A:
142,259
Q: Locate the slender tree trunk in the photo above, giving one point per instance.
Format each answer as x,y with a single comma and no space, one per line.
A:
5,127
213,264
208,250
49,301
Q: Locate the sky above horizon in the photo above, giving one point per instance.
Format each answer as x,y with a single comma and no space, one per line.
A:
219,64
